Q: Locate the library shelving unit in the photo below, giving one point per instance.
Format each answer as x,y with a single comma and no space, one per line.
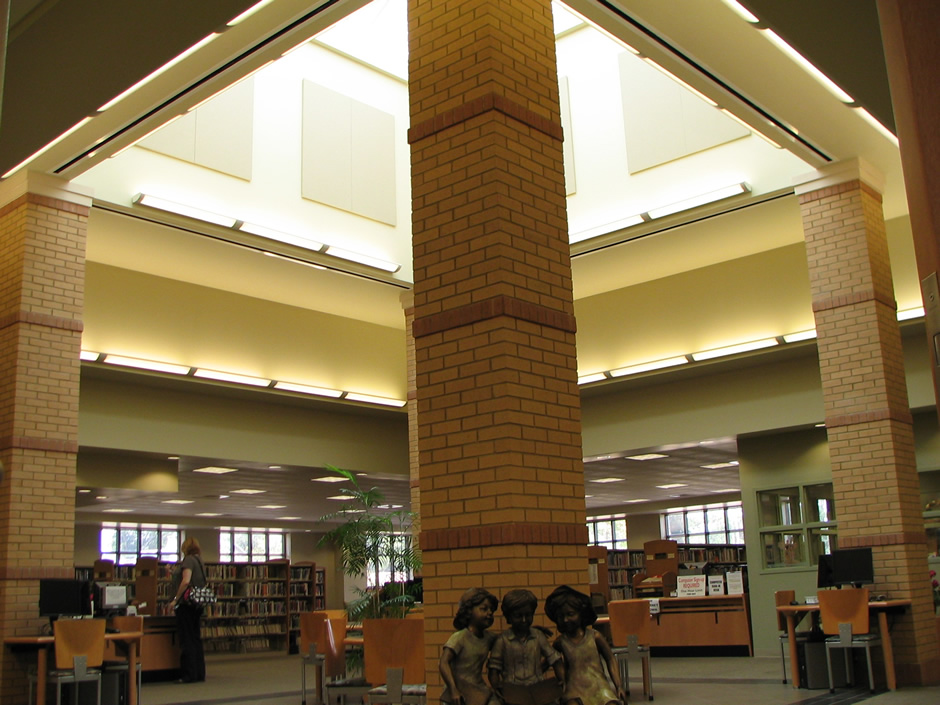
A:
319,589
623,565
301,597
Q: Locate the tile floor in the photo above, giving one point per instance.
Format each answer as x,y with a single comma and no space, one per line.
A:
275,680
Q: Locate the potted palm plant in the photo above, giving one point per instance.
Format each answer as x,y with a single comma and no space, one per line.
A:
372,538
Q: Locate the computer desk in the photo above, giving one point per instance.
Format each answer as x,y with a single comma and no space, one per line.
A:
794,613
43,644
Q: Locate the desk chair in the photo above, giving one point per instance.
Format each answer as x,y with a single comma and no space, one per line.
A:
785,597
79,653
844,616
127,624
630,637
394,660
321,646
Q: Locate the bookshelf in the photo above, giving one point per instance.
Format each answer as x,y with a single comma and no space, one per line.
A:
319,587
623,565
301,598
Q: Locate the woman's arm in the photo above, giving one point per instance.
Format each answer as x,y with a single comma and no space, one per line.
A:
185,577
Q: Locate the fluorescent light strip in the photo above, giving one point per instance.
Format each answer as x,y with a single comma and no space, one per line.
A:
272,506
143,137
231,377
672,486
152,365
649,366
341,498
616,40
719,466
145,199
606,229
369,399
35,155
213,470
168,65
911,313
678,80
870,119
248,491
735,349
88,356
741,11
751,128
800,336
647,456
272,234
700,200
373,262
305,389
328,478
247,13
177,501
807,66
594,377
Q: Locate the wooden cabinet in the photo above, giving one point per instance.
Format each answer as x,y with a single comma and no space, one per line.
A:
714,620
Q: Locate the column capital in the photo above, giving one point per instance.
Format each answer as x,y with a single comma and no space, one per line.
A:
407,299
24,182
840,172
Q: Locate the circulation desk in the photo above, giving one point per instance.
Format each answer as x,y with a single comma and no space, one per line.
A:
794,613
43,644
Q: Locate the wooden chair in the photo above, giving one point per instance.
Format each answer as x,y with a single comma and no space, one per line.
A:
116,664
392,647
630,637
79,653
844,615
321,646
785,597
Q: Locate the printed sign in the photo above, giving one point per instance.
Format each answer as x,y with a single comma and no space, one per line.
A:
690,586
716,584
735,583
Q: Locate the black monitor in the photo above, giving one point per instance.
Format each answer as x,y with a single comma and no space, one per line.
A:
64,597
852,566
824,572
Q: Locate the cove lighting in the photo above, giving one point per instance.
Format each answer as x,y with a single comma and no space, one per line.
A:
746,126
231,377
800,336
700,200
272,234
649,366
369,399
911,313
807,66
735,349
360,258
35,155
247,13
595,377
146,364
145,136
212,470
168,65
647,456
672,486
306,389
676,79
88,356
606,229
145,199
871,120
742,11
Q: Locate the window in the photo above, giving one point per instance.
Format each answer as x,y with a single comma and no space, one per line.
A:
242,545
713,523
797,524
400,548
125,543
608,531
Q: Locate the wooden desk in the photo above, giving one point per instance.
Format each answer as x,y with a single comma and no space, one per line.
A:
794,613
43,644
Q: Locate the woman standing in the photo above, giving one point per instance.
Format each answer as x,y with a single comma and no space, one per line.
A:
189,571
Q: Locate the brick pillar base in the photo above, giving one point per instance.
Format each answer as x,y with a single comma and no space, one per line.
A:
42,267
871,441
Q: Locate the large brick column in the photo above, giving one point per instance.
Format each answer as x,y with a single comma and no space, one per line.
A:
868,421
42,274
501,477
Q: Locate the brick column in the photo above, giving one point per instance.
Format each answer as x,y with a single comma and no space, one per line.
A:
42,272
408,304
501,477
868,421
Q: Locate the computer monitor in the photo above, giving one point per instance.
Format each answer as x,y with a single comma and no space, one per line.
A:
824,572
63,597
110,597
852,566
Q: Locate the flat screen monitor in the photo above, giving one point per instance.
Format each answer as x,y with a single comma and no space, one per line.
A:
63,597
824,572
110,596
852,566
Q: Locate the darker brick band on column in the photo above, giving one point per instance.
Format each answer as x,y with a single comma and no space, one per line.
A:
479,106
493,308
836,189
12,572
41,319
504,534
897,539
43,444
852,299
872,416
38,200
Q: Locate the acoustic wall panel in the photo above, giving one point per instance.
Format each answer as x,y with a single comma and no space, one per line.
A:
568,145
348,154
663,121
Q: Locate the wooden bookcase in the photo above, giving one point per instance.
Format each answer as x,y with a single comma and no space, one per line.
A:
302,597
319,589
624,565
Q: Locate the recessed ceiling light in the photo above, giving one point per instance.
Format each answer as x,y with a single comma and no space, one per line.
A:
588,496
223,496
172,457
673,485
716,466
634,501
289,518
248,491
362,474
647,456
728,489
390,506
274,467
341,498
177,501
604,480
212,470
208,514
101,496
271,506
118,511
328,478
84,491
